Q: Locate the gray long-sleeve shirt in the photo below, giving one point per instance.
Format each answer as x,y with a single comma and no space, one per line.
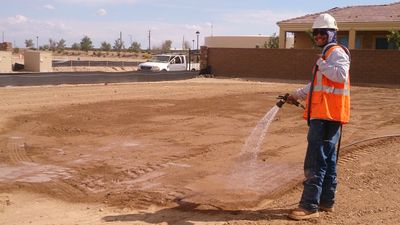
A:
335,68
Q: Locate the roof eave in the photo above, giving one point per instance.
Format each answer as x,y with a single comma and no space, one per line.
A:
364,26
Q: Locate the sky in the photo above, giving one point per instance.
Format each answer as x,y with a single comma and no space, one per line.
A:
175,20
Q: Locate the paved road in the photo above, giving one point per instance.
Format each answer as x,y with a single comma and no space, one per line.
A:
32,79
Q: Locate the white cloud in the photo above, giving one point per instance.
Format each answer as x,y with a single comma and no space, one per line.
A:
20,28
192,27
48,6
262,20
17,19
101,12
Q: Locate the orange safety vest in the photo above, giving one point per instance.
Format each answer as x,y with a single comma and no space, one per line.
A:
330,100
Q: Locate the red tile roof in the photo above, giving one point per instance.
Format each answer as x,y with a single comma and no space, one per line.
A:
356,14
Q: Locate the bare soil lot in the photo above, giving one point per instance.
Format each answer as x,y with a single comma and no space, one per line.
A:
169,153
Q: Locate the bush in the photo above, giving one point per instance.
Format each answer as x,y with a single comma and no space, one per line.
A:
146,56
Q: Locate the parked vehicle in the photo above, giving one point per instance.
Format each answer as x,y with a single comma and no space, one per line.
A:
168,62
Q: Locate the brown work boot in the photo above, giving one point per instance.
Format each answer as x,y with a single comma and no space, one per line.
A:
302,214
326,209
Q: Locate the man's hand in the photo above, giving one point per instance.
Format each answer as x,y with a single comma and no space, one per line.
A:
291,99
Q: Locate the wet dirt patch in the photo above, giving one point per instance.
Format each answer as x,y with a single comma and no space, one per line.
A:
32,173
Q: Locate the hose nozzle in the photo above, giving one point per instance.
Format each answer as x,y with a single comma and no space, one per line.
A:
283,100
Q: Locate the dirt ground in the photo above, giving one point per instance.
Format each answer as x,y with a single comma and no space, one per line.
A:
170,153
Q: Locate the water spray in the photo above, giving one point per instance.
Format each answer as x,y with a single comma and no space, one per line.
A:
284,98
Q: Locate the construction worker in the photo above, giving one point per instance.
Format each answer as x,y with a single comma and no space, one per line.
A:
328,107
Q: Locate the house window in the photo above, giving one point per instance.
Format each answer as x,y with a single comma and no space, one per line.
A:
381,43
358,42
345,41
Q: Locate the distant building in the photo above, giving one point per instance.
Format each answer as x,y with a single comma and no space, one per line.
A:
6,46
254,41
5,62
360,27
37,61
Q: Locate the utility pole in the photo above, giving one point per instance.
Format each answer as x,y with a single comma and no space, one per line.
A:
3,37
197,33
37,43
149,40
120,40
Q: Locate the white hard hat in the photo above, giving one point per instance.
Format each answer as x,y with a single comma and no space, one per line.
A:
325,21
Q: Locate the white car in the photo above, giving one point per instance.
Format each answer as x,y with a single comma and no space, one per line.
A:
167,62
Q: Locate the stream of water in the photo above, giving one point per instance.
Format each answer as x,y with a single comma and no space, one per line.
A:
254,141
246,172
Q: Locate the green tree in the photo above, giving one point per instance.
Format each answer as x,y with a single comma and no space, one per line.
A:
166,46
76,46
118,45
311,36
44,47
86,44
135,47
273,42
52,44
394,37
61,45
29,43
105,46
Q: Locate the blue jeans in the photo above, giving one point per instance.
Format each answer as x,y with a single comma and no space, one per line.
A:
320,165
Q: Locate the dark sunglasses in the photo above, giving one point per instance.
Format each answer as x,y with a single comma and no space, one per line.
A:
320,32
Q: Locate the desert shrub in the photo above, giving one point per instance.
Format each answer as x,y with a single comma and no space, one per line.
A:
146,56
394,39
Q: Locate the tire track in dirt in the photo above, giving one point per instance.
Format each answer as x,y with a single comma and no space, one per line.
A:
15,149
141,171
133,187
63,189
354,152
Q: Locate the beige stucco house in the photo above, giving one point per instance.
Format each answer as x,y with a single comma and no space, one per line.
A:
360,27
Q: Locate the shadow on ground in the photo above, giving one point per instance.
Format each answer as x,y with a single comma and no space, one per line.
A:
187,213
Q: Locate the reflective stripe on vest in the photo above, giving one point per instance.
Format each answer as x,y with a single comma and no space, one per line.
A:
329,89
